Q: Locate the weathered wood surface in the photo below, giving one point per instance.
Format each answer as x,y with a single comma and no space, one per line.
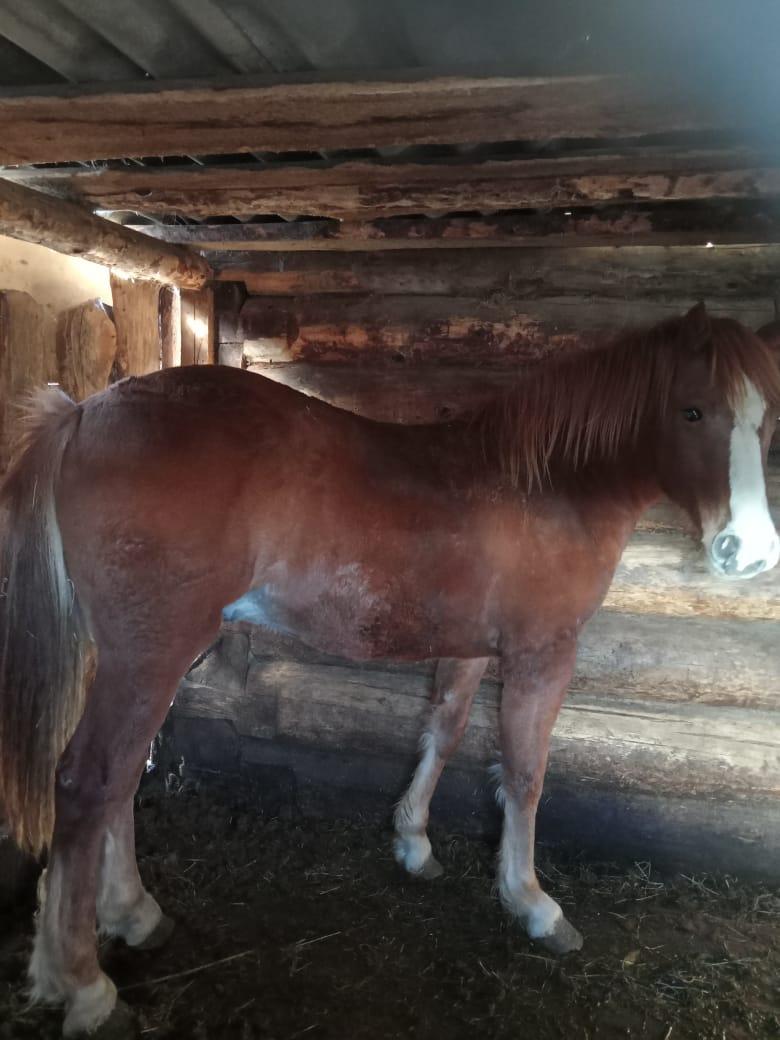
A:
498,328
667,574
198,328
261,114
170,326
367,191
139,345
627,271
28,358
86,349
72,229
666,746
730,223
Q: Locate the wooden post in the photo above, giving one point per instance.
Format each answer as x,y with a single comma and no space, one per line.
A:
197,328
27,357
34,217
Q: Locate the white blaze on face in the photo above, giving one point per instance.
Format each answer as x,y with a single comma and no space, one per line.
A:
749,543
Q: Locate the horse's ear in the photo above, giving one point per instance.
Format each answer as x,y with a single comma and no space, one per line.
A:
696,326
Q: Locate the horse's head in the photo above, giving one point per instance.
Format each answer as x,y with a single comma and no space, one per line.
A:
714,437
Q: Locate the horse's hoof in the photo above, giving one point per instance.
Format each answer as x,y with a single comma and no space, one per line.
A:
564,938
158,936
121,1024
430,870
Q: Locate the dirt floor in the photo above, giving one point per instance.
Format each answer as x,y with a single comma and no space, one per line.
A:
291,928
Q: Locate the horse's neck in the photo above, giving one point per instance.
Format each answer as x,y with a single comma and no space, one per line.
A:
617,492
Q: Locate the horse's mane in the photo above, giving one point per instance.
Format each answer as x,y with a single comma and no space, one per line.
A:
591,405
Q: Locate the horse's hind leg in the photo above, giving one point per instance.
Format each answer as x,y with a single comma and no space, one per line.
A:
95,782
124,908
454,686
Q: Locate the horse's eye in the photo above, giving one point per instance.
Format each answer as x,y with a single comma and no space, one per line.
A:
692,414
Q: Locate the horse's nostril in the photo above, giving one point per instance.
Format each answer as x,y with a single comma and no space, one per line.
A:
725,547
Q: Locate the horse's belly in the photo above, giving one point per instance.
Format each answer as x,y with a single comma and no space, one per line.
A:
349,623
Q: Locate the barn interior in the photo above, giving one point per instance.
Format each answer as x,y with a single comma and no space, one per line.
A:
396,208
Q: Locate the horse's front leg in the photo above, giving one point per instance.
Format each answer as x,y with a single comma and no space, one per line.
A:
534,688
454,686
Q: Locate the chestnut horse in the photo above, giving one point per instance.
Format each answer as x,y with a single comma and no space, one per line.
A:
136,520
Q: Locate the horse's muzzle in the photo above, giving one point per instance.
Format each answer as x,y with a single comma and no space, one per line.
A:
732,557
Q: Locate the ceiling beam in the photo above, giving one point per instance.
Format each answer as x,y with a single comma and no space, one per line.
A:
248,114
73,230
368,191
726,224
651,272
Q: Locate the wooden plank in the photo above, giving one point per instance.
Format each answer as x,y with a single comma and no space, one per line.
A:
499,331
86,349
198,345
634,224
70,229
28,358
367,191
137,320
607,271
399,108
667,748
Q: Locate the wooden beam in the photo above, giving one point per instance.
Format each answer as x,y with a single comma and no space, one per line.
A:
499,331
247,114
73,230
607,271
631,224
368,191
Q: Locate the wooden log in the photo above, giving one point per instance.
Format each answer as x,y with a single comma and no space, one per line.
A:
635,224
86,349
137,320
198,343
608,271
667,574
28,358
247,114
69,228
668,748
640,656
476,331
367,191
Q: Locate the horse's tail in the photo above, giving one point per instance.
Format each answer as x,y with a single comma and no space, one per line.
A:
43,636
